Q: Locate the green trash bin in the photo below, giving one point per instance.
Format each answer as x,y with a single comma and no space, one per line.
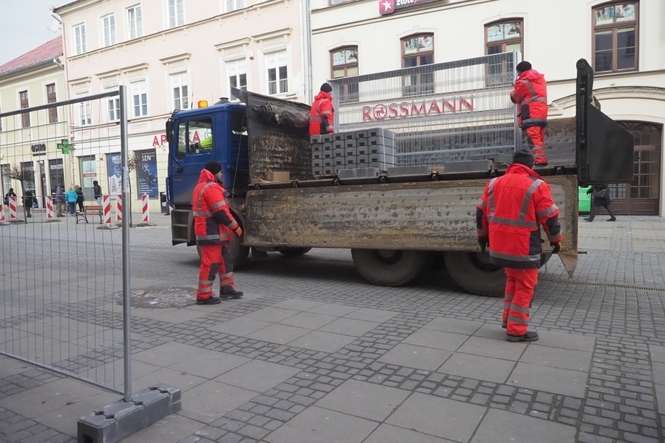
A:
584,199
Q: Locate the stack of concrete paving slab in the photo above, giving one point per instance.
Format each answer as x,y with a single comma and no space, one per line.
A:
361,149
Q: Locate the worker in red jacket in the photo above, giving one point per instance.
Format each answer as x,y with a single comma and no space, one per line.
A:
213,226
530,94
322,112
508,218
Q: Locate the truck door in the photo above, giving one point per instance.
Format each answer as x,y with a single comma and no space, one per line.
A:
196,145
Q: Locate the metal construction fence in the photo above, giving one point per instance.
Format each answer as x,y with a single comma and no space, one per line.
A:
443,112
64,273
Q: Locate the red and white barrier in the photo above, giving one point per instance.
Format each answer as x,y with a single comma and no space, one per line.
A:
3,221
145,208
118,209
106,210
50,213
12,209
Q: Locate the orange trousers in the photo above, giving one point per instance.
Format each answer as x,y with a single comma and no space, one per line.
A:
536,136
520,286
213,261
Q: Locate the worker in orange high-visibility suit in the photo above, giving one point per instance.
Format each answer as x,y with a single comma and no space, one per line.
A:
508,217
530,94
213,226
322,112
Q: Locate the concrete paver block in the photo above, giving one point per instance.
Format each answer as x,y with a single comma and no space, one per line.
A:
365,400
490,347
323,341
478,367
281,334
394,434
335,310
295,304
307,320
317,425
168,354
349,326
375,315
438,416
242,326
417,357
506,427
209,401
559,381
210,364
657,353
562,340
436,339
167,376
456,326
557,358
257,375
270,314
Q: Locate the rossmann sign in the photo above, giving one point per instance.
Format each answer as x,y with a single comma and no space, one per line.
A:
387,7
422,108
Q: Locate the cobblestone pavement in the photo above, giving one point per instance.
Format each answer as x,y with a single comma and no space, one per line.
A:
314,354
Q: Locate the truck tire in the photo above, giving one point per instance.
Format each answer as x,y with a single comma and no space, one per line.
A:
293,252
388,268
472,272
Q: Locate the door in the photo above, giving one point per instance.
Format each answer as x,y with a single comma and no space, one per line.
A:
642,196
196,146
42,184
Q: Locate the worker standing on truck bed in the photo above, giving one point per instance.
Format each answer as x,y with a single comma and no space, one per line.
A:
530,94
322,112
508,218
213,226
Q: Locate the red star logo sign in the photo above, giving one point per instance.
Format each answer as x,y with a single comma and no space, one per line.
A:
386,7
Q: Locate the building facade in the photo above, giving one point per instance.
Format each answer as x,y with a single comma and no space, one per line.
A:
170,54
28,142
623,40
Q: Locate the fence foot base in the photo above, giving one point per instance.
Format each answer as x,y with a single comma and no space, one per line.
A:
143,225
121,418
108,227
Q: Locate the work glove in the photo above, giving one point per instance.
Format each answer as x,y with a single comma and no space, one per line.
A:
238,232
483,242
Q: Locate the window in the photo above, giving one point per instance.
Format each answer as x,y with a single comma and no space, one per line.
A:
108,30
51,98
615,31
25,117
139,98
344,63
176,13
501,37
278,79
232,5
195,137
418,50
56,174
134,21
113,106
5,172
236,72
79,38
88,170
28,172
180,90
85,113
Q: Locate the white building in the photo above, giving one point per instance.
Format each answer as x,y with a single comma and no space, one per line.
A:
623,40
171,54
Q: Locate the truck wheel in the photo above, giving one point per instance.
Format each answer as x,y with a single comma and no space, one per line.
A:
474,273
293,252
388,268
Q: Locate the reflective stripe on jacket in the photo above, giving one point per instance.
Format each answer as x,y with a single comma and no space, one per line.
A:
510,213
322,107
530,94
213,220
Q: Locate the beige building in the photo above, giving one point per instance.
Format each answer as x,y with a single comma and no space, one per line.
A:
28,142
624,41
171,54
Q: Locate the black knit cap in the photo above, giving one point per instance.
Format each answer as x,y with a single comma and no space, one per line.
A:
326,87
524,157
523,66
213,166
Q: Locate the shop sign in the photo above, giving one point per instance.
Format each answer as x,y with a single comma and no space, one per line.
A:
423,108
387,7
158,141
38,149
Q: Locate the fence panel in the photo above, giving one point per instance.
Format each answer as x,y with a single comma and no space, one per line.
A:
440,113
63,272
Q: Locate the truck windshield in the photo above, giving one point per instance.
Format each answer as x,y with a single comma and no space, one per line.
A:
195,137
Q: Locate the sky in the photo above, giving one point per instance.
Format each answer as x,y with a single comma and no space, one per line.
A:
24,25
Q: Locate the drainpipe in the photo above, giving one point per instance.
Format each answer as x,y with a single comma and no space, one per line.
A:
306,22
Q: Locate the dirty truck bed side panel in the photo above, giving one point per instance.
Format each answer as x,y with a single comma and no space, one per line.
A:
435,215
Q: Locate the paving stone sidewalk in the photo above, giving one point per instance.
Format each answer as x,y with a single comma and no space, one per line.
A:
313,354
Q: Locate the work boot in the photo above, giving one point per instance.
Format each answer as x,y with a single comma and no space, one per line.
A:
209,301
229,293
612,219
529,336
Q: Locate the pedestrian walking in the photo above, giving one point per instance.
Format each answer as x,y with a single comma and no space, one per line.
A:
600,197
97,191
28,201
9,194
59,199
530,95
71,200
214,225
322,112
80,198
508,218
